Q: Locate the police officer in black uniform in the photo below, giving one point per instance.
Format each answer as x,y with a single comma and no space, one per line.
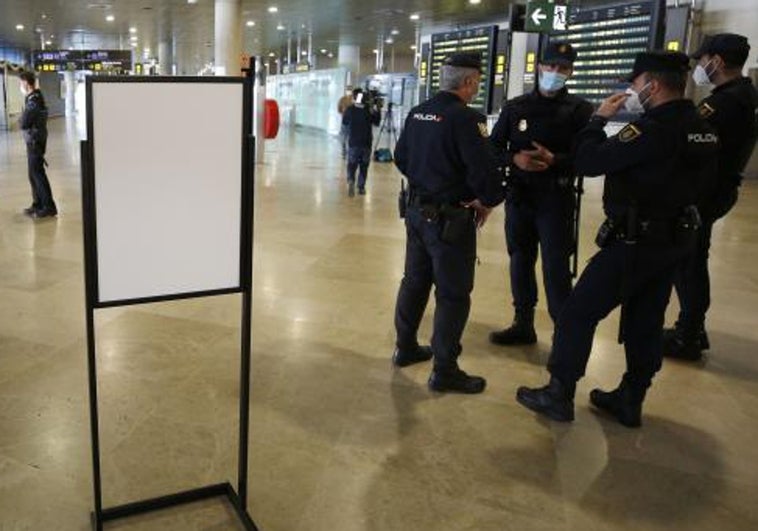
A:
454,182
359,120
535,134
34,126
731,110
656,168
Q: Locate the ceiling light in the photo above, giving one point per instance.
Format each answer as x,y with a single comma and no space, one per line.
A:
132,30
192,1
303,53
273,9
272,54
415,16
389,40
280,27
395,32
20,27
323,51
376,51
43,16
134,45
331,55
474,2
48,43
413,46
250,23
110,18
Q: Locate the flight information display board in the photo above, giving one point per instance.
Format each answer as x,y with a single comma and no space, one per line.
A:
606,40
94,60
481,40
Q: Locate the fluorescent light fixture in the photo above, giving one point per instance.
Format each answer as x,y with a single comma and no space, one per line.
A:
273,9
250,23
415,16
110,18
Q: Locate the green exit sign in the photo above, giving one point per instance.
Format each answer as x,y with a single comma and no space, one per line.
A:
546,16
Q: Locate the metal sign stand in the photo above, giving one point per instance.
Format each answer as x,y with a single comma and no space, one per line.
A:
237,497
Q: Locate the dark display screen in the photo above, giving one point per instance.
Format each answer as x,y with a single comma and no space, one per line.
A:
480,40
94,60
606,41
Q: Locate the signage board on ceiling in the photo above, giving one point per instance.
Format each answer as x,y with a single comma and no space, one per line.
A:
546,16
94,60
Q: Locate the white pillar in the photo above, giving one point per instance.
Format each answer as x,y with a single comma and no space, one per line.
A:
228,37
69,77
349,56
165,58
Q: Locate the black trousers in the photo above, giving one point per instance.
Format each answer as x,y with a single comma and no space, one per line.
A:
42,195
639,278
693,282
450,268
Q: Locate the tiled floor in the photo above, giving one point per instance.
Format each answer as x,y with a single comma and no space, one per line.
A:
339,440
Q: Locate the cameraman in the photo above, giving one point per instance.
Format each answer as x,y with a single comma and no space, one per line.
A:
359,120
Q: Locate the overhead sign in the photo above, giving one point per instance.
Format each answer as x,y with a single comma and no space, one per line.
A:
94,60
546,15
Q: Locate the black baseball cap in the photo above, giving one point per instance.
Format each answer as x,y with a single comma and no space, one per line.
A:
465,60
659,62
558,53
732,48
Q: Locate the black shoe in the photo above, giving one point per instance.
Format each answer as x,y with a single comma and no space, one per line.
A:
44,213
672,335
28,211
555,400
676,347
516,334
456,381
361,191
404,358
622,403
351,189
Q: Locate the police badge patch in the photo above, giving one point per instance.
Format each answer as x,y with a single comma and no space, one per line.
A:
522,125
629,133
705,110
483,130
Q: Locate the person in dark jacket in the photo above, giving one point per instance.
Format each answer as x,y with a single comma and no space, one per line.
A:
34,126
656,169
359,120
535,136
731,110
454,182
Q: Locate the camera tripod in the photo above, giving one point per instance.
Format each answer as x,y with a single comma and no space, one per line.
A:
387,127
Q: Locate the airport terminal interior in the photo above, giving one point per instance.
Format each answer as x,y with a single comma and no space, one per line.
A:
339,438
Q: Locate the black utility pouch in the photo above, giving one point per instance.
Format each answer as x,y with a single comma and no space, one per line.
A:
402,201
605,233
687,227
457,223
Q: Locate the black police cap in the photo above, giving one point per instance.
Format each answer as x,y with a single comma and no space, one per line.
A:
465,60
659,62
733,49
558,53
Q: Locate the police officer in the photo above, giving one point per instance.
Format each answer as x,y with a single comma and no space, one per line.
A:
454,182
655,170
731,110
535,133
34,126
359,120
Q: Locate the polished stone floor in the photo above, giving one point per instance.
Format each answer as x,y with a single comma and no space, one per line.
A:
339,440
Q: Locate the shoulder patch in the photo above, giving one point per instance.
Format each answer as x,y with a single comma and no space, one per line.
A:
629,133
483,130
705,110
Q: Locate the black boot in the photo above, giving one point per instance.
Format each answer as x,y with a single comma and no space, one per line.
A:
456,381
624,403
521,332
679,344
555,400
404,358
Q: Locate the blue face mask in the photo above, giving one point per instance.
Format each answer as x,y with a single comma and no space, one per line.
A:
552,81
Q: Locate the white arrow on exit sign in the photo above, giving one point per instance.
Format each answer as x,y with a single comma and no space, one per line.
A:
538,16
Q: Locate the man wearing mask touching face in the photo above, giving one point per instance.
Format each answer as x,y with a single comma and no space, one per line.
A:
731,110
655,170
534,136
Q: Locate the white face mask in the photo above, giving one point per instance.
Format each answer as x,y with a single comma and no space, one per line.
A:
634,103
700,76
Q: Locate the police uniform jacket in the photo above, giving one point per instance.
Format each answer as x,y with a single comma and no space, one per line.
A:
731,110
444,152
657,165
361,121
33,120
553,122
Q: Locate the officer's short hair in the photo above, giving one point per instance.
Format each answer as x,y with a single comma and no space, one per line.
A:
451,77
28,77
674,81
